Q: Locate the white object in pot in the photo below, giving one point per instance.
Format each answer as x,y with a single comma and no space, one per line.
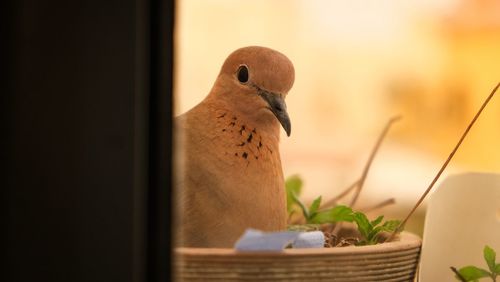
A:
462,217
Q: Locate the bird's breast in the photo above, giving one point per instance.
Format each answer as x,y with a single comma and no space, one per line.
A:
245,144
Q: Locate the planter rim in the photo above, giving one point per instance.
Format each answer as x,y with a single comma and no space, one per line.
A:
407,241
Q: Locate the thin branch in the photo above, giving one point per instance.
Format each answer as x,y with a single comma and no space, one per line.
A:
334,229
380,205
370,160
360,182
445,163
335,199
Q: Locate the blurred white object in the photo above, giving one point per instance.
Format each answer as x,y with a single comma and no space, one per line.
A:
255,240
462,217
314,239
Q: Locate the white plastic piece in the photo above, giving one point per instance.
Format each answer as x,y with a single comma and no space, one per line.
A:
313,239
462,218
255,240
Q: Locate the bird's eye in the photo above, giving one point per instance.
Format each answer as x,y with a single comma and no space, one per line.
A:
242,74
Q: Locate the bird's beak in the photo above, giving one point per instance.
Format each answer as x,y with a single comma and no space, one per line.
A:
277,105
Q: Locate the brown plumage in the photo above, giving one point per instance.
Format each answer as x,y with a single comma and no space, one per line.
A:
229,171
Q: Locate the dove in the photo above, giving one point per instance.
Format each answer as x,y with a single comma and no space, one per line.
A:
230,175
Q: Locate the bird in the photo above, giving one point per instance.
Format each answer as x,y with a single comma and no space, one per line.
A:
230,176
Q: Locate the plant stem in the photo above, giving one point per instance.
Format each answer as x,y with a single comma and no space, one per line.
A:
370,160
334,200
304,209
445,164
359,184
458,274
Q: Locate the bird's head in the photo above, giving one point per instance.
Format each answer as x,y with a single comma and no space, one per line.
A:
255,81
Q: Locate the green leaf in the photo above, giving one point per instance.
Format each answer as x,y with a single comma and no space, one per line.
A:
322,217
304,209
293,184
377,221
489,257
314,206
364,226
497,268
335,214
471,273
390,225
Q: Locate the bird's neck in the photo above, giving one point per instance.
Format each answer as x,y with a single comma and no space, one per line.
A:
239,141
248,109
249,124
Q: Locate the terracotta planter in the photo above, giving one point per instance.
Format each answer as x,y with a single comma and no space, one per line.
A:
394,261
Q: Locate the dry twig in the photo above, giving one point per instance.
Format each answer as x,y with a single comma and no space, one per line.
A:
400,227
370,160
380,205
334,200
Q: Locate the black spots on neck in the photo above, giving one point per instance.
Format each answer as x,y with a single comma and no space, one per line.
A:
233,122
249,137
248,144
248,141
242,129
250,147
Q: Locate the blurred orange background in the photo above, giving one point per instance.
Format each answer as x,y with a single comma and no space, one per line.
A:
357,64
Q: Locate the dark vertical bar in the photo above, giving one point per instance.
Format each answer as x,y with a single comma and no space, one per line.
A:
85,183
86,140
141,140
161,101
6,88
